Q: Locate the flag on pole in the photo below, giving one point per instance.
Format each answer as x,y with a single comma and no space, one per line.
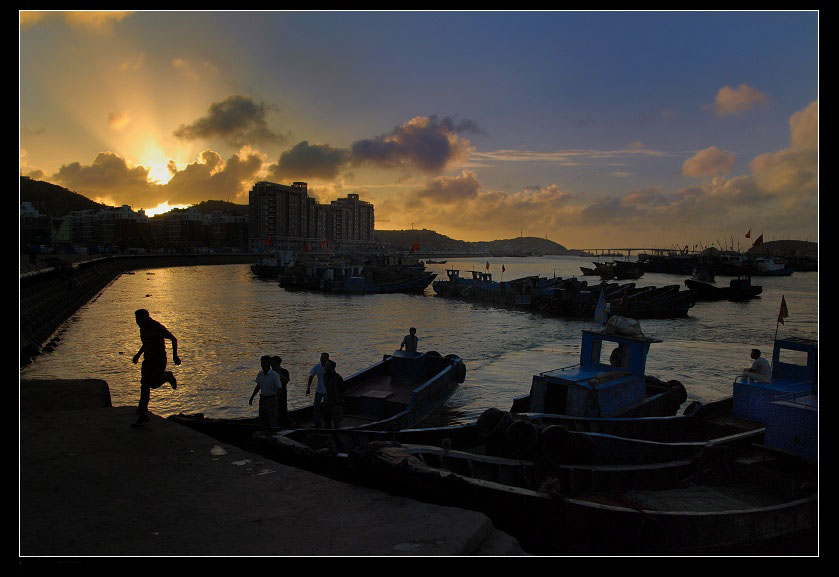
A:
749,234
600,310
414,247
784,313
758,241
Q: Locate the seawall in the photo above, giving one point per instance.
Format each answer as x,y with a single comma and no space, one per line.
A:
52,294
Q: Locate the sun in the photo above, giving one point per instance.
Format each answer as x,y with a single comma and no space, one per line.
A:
163,207
159,172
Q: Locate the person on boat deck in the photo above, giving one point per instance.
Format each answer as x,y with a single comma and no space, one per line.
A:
334,404
268,385
320,392
409,343
282,395
153,371
616,358
760,370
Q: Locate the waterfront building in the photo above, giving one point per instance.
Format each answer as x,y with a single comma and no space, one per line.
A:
286,216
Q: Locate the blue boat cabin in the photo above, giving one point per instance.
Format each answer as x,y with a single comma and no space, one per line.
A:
787,405
608,381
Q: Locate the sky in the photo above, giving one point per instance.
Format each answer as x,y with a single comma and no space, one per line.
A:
591,129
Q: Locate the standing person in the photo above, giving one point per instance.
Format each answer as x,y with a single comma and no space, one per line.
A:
153,371
334,404
760,370
268,385
320,392
409,343
282,396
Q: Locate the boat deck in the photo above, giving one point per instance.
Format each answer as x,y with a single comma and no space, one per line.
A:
382,387
699,498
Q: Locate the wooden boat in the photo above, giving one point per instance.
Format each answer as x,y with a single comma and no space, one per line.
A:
400,391
728,496
616,388
738,289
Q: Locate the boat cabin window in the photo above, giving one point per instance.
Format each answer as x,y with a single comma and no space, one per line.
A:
619,356
792,357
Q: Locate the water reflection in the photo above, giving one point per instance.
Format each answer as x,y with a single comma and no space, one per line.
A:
225,320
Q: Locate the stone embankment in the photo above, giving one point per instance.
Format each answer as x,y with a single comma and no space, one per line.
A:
93,486
53,289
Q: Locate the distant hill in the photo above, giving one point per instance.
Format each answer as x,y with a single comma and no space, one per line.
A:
428,240
52,199
801,248
209,206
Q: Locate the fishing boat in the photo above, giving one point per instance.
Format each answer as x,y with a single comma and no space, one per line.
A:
353,278
565,297
629,496
400,391
765,266
618,387
738,289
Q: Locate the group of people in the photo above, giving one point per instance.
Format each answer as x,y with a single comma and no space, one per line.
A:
271,384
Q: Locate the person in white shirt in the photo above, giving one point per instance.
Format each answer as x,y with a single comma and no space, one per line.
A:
268,385
760,370
320,392
409,343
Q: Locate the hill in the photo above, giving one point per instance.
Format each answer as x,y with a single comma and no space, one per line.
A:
53,199
428,240
210,206
799,248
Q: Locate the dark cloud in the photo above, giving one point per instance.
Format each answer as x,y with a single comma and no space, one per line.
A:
110,178
237,119
448,189
107,172
306,160
428,144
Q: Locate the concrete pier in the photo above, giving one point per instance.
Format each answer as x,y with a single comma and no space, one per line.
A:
92,485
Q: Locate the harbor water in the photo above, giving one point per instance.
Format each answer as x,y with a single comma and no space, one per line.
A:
225,318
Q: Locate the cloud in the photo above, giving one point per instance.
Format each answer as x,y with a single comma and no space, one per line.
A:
425,143
118,120
111,177
212,178
709,162
192,70
98,22
239,120
793,171
304,160
449,189
731,101
570,157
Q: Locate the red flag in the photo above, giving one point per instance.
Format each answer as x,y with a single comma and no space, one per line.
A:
324,244
784,313
414,247
487,265
269,241
758,241
749,234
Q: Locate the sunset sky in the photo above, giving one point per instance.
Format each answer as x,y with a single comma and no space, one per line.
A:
593,129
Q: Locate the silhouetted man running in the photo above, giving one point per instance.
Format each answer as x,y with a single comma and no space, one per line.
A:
153,372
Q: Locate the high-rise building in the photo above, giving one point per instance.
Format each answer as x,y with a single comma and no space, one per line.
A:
285,214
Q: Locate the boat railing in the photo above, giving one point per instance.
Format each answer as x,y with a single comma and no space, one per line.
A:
543,373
